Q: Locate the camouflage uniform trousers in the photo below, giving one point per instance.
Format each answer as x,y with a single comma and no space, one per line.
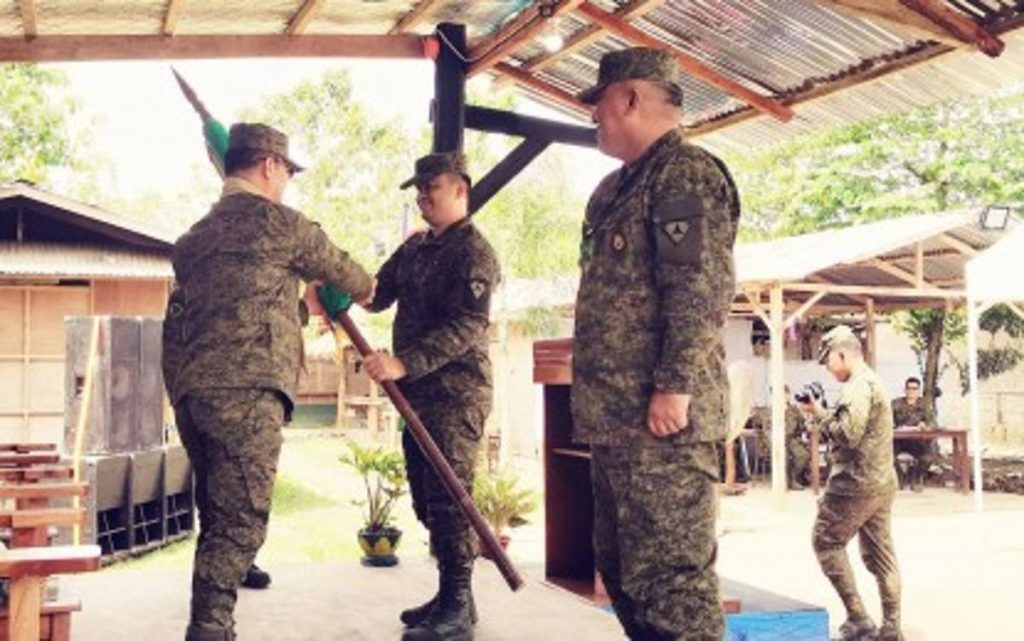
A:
457,434
799,456
233,439
654,539
869,517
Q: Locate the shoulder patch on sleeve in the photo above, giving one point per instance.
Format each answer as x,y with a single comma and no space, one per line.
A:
679,230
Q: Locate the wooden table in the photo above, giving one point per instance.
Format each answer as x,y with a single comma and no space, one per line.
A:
961,457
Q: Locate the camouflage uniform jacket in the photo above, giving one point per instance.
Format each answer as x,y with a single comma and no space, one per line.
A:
859,430
903,413
238,270
443,286
657,282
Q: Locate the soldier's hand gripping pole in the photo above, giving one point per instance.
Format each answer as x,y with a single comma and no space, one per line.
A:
437,460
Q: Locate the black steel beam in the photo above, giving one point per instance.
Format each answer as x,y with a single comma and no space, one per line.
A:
449,107
513,124
505,171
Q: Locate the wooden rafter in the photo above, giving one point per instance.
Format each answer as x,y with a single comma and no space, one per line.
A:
306,14
958,245
691,65
415,16
28,18
957,24
854,79
529,81
171,16
591,34
877,291
530,21
55,48
928,19
905,275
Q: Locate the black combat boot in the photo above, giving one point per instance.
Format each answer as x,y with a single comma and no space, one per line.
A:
417,615
451,618
255,578
857,630
203,633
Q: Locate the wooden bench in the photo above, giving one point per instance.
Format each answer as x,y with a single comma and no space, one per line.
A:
27,619
30,528
37,473
26,459
25,448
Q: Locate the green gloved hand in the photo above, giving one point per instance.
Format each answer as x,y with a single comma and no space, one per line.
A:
333,299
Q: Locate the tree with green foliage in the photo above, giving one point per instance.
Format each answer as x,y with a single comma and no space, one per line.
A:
38,140
951,155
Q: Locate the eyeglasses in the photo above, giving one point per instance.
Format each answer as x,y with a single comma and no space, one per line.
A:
287,166
913,388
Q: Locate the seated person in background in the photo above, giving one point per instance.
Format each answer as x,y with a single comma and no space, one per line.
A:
798,452
913,458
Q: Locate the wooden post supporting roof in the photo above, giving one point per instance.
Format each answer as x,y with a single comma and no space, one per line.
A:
449,108
689,64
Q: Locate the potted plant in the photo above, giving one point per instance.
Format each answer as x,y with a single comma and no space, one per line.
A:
383,473
502,503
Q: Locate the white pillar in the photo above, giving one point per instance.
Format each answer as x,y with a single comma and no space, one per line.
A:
972,366
778,382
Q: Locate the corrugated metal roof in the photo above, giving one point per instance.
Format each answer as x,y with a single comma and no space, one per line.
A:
71,261
786,50
842,256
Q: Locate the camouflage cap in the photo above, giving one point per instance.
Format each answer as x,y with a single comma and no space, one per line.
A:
636,63
259,137
838,336
447,162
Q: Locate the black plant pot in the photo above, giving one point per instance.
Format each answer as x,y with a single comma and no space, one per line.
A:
379,546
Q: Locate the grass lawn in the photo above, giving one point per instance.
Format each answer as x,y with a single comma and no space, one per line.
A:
313,517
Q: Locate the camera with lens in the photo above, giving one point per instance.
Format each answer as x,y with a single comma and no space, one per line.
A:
811,393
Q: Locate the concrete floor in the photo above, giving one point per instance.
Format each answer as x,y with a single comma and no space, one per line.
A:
962,577
329,602
962,571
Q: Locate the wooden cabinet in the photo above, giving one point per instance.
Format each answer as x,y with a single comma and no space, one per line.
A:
568,503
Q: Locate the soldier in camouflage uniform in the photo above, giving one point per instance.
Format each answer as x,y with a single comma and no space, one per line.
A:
650,390
911,411
861,486
238,271
442,280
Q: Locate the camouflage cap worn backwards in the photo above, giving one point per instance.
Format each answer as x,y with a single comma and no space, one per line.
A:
447,162
837,337
258,137
636,63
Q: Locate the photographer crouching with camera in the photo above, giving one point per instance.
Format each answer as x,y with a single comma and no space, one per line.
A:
861,485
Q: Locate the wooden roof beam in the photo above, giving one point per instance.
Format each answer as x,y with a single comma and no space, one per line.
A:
591,34
306,14
530,21
416,15
171,16
529,81
29,24
55,48
926,19
690,65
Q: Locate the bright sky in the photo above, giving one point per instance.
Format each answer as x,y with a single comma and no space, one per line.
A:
152,135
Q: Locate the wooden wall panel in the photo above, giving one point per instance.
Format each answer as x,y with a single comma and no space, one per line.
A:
130,297
47,309
12,338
